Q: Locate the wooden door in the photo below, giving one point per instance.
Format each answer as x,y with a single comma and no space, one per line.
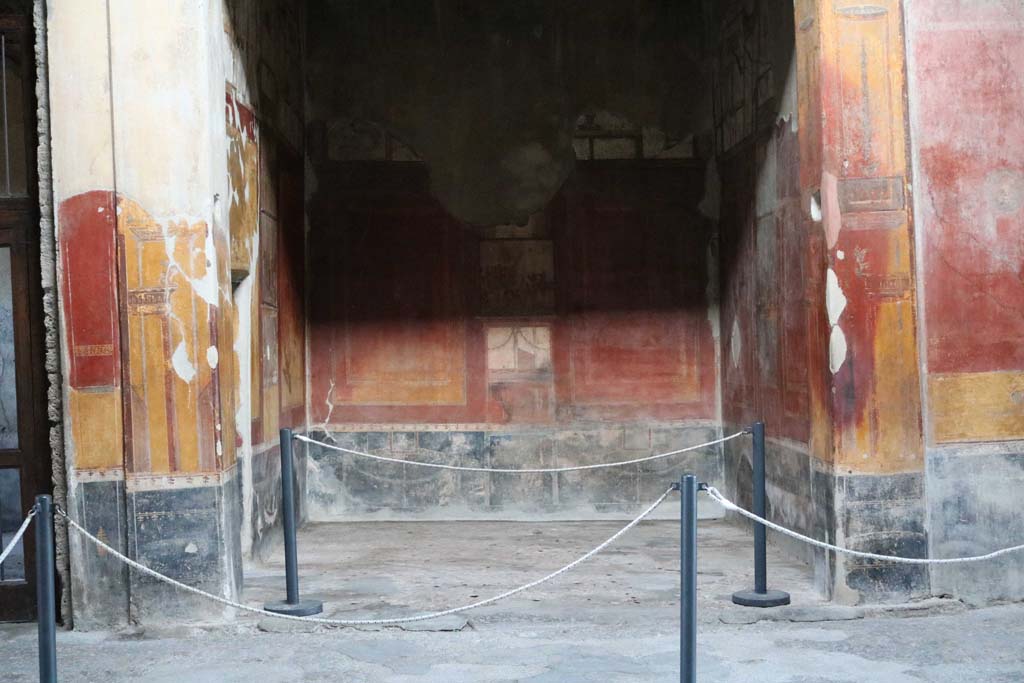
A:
24,452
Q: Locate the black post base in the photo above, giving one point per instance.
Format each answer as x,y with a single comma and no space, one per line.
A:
766,599
302,608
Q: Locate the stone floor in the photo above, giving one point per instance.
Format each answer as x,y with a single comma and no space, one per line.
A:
612,619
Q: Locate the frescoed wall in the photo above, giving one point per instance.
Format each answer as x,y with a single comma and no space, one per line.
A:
266,177
819,302
796,253
168,284
969,173
771,266
580,335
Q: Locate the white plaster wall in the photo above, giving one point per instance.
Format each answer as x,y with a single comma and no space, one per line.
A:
161,69
79,97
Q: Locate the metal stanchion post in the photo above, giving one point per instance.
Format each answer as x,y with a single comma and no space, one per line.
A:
688,580
292,604
46,600
760,596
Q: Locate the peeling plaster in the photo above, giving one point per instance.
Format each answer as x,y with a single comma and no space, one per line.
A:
329,401
836,349
815,207
182,364
835,300
212,357
735,343
830,209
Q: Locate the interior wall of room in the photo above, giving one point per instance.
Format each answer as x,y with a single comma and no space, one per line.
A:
969,177
488,94
506,271
581,336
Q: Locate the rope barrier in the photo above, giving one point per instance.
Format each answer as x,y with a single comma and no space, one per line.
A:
361,622
716,495
18,534
573,468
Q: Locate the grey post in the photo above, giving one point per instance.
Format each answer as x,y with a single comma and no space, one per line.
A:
760,596
292,604
46,591
688,580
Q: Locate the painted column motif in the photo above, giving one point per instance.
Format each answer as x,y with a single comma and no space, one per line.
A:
855,182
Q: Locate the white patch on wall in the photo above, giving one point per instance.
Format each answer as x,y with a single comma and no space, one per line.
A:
735,344
182,364
836,349
835,300
816,207
212,357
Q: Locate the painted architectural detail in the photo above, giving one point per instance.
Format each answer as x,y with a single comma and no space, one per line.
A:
172,401
243,186
865,149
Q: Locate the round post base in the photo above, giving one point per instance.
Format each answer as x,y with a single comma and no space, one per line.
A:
302,608
766,599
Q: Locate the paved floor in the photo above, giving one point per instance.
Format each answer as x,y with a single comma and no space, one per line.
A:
613,619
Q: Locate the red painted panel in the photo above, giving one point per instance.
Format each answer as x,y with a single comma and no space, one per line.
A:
972,181
397,334
87,246
390,338
239,115
637,341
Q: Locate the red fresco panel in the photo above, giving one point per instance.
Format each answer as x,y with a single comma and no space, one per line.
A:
87,221
398,344
395,336
972,184
638,339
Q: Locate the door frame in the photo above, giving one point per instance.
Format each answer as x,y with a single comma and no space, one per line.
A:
19,229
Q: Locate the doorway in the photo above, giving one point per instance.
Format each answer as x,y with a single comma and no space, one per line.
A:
25,460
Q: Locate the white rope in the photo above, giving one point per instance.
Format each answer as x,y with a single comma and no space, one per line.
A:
18,535
574,468
729,505
361,622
